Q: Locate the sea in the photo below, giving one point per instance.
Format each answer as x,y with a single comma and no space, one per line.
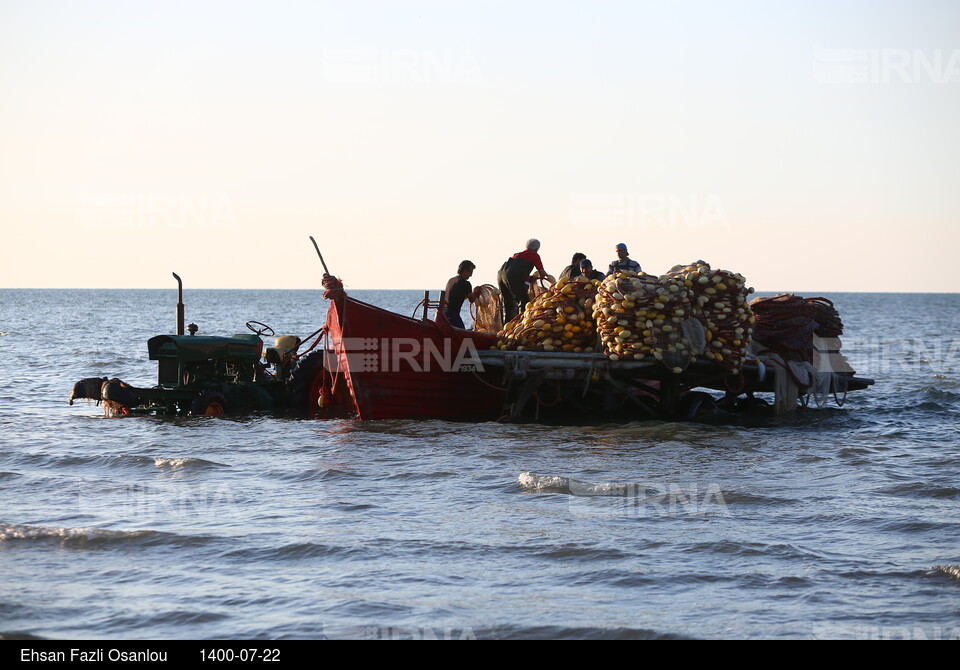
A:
835,522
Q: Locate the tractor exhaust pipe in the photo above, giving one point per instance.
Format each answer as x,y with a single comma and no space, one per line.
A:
179,303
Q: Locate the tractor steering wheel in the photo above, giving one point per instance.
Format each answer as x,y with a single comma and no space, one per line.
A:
263,330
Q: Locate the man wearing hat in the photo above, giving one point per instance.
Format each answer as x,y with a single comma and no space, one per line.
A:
623,262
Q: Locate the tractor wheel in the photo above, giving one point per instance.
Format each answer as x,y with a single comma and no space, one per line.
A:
209,403
306,381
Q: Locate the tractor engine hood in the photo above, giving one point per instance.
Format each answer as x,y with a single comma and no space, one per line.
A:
204,347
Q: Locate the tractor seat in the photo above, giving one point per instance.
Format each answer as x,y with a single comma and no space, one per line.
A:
279,354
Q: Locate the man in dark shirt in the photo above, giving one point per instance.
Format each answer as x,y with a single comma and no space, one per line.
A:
586,270
459,289
572,271
623,262
514,278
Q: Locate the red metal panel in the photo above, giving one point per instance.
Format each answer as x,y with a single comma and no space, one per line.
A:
397,367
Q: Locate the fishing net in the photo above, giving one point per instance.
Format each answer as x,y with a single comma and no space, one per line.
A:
640,315
720,297
784,325
485,310
827,317
558,319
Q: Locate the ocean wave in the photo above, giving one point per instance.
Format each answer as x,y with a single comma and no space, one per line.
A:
580,553
113,461
295,552
17,532
175,617
17,635
504,632
745,498
571,633
415,476
733,548
640,492
315,474
922,490
96,537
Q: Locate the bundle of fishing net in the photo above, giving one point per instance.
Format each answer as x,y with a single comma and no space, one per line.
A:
640,316
485,310
786,323
720,297
827,317
556,320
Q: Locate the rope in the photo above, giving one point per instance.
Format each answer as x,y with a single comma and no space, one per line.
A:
836,378
556,401
313,346
333,286
586,386
821,388
486,383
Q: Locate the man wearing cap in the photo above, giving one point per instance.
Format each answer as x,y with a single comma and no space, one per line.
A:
623,262
586,270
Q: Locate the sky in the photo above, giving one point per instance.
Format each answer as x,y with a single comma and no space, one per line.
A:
810,146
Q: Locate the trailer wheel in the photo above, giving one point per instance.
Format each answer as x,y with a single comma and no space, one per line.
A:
209,403
697,405
306,382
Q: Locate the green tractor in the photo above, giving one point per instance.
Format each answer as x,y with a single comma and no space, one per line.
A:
212,375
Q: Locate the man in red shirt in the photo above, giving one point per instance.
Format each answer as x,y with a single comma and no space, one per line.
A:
514,278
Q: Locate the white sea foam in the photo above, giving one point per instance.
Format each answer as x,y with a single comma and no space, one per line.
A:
162,462
10,532
530,481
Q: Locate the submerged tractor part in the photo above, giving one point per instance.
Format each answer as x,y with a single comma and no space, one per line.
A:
209,403
89,388
117,397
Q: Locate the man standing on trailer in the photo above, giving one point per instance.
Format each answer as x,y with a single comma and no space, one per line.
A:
623,262
514,279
